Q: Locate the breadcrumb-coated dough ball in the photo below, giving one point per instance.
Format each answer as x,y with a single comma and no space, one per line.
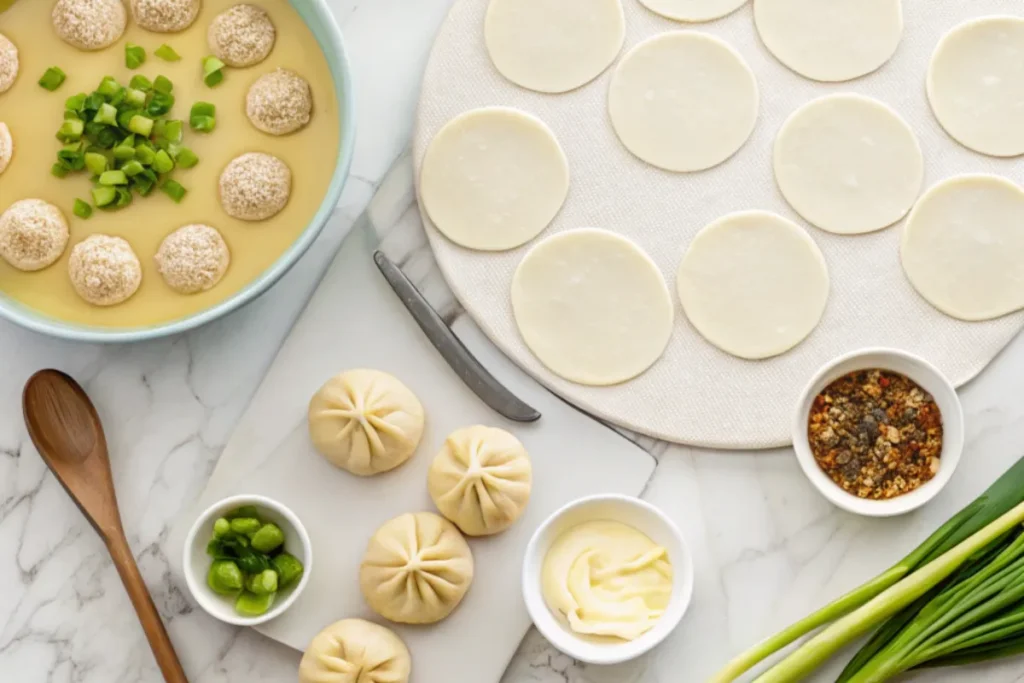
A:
89,24
242,35
104,270
8,63
6,146
33,234
193,258
165,16
255,186
279,102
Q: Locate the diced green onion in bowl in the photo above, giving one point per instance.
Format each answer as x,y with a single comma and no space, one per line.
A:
52,78
134,56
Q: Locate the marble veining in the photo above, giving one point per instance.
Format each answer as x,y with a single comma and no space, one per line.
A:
768,548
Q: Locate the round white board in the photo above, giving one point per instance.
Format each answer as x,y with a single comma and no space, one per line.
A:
697,394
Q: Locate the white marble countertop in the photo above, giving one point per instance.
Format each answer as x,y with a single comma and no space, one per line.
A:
768,547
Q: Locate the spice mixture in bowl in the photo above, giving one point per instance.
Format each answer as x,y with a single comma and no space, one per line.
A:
879,432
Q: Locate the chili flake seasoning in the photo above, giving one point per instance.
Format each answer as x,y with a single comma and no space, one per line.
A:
876,433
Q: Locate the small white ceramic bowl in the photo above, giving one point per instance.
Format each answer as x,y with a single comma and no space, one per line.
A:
928,378
641,516
196,562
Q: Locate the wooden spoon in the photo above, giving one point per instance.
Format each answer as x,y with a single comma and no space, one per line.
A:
67,432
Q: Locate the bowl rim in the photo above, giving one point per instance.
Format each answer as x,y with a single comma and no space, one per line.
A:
32,320
922,372
202,598
559,636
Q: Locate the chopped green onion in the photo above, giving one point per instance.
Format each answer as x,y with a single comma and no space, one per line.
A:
169,129
133,168
59,171
124,117
145,154
124,196
93,101
203,124
202,117
141,125
140,82
113,178
71,115
174,190
203,109
119,96
71,130
134,56
167,53
76,102
185,158
95,162
107,114
71,157
82,209
162,162
135,97
163,84
145,182
160,104
123,152
213,72
103,196
52,78
108,87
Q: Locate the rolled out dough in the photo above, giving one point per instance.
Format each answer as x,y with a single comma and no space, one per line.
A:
976,85
753,284
553,46
963,247
848,164
493,178
683,101
592,306
830,40
693,10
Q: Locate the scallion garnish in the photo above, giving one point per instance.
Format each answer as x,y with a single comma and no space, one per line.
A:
140,82
59,171
82,209
106,114
103,196
76,102
167,53
113,178
213,71
134,56
174,190
163,84
71,130
184,157
162,162
160,103
108,87
52,78
202,118
135,97
141,125
96,162
133,168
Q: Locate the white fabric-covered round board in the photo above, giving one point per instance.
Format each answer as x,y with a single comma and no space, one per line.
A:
848,164
694,393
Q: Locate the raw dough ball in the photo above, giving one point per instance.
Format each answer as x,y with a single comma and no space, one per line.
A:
192,259
693,10
493,178
165,16
365,421
242,35
592,306
683,101
355,651
8,63
963,247
848,164
104,270
255,186
553,46
753,284
976,85
417,569
481,480
279,102
830,40
33,234
6,146
89,24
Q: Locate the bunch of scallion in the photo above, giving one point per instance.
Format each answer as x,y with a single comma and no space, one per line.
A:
957,598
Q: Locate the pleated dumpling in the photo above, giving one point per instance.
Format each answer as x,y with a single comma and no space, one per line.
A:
365,421
481,480
355,651
417,569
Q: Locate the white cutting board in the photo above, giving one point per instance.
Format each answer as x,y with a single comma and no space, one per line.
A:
355,320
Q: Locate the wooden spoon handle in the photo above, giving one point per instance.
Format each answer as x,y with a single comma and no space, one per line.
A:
159,641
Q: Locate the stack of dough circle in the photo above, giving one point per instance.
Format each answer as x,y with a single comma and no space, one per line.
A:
753,284
355,651
848,164
592,306
830,40
365,421
976,85
963,247
416,570
553,46
693,10
493,178
683,101
481,480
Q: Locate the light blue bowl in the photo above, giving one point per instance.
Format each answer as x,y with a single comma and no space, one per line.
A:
325,30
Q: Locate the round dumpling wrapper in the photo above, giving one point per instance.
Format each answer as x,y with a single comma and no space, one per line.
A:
355,651
481,480
365,421
417,569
